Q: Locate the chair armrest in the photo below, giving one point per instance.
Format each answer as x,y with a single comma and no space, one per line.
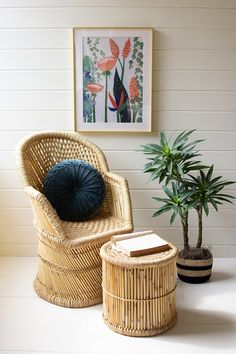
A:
45,216
120,197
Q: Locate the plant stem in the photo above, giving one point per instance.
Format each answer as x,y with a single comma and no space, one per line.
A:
134,115
94,113
118,116
106,98
123,70
199,241
185,229
120,63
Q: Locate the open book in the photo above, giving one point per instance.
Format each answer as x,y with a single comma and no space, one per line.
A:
140,243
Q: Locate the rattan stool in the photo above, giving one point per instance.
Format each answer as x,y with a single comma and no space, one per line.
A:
139,292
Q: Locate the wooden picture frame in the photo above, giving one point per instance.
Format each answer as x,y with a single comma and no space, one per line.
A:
113,79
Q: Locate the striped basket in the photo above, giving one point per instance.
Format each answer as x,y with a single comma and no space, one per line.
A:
194,271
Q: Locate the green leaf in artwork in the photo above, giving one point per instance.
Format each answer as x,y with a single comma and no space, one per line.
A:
118,90
122,107
88,107
87,64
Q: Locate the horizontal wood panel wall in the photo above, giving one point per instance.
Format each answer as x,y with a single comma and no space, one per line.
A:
194,86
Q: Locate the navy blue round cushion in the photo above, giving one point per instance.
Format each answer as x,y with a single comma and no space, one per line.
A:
75,189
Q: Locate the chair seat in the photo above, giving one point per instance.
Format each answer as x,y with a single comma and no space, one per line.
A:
94,226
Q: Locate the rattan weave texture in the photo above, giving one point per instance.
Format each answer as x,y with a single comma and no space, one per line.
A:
139,292
70,271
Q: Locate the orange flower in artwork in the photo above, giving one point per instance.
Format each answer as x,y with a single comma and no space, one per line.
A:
133,88
94,88
126,49
114,48
107,64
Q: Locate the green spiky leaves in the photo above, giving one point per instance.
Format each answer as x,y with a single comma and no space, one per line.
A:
193,184
171,161
207,190
178,201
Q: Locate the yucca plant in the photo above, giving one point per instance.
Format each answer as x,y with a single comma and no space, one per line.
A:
178,201
172,161
207,191
176,162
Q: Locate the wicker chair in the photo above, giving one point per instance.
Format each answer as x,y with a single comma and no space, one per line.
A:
69,271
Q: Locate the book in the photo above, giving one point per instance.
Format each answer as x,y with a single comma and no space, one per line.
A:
140,243
116,238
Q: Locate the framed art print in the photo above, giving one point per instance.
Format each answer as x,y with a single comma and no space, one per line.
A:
113,79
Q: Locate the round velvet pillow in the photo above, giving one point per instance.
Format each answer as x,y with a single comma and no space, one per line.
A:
75,189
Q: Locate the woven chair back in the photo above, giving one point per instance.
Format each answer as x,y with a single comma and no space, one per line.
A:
40,152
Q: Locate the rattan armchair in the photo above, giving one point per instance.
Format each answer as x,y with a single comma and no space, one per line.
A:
69,272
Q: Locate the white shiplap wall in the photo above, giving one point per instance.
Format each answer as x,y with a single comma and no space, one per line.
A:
194,86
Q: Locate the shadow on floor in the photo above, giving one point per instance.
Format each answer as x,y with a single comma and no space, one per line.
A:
203,328
221,276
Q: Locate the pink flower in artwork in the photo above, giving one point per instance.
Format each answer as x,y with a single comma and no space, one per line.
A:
107,64
94,88
114,48
126,49
133,88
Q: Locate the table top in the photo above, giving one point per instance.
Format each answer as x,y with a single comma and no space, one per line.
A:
112,255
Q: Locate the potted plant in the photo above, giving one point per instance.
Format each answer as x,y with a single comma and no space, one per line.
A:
192,187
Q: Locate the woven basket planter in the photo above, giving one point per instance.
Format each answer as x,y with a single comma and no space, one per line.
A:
139,292
194,271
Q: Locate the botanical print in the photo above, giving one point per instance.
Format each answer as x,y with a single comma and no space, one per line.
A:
112,79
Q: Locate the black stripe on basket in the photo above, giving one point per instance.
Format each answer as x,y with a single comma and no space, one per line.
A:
194,280
187,267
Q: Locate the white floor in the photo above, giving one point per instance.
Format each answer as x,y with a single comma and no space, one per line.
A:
206,318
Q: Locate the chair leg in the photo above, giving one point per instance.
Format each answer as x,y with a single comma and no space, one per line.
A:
69,279
65,300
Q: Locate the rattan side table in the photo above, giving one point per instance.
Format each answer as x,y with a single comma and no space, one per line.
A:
139,292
